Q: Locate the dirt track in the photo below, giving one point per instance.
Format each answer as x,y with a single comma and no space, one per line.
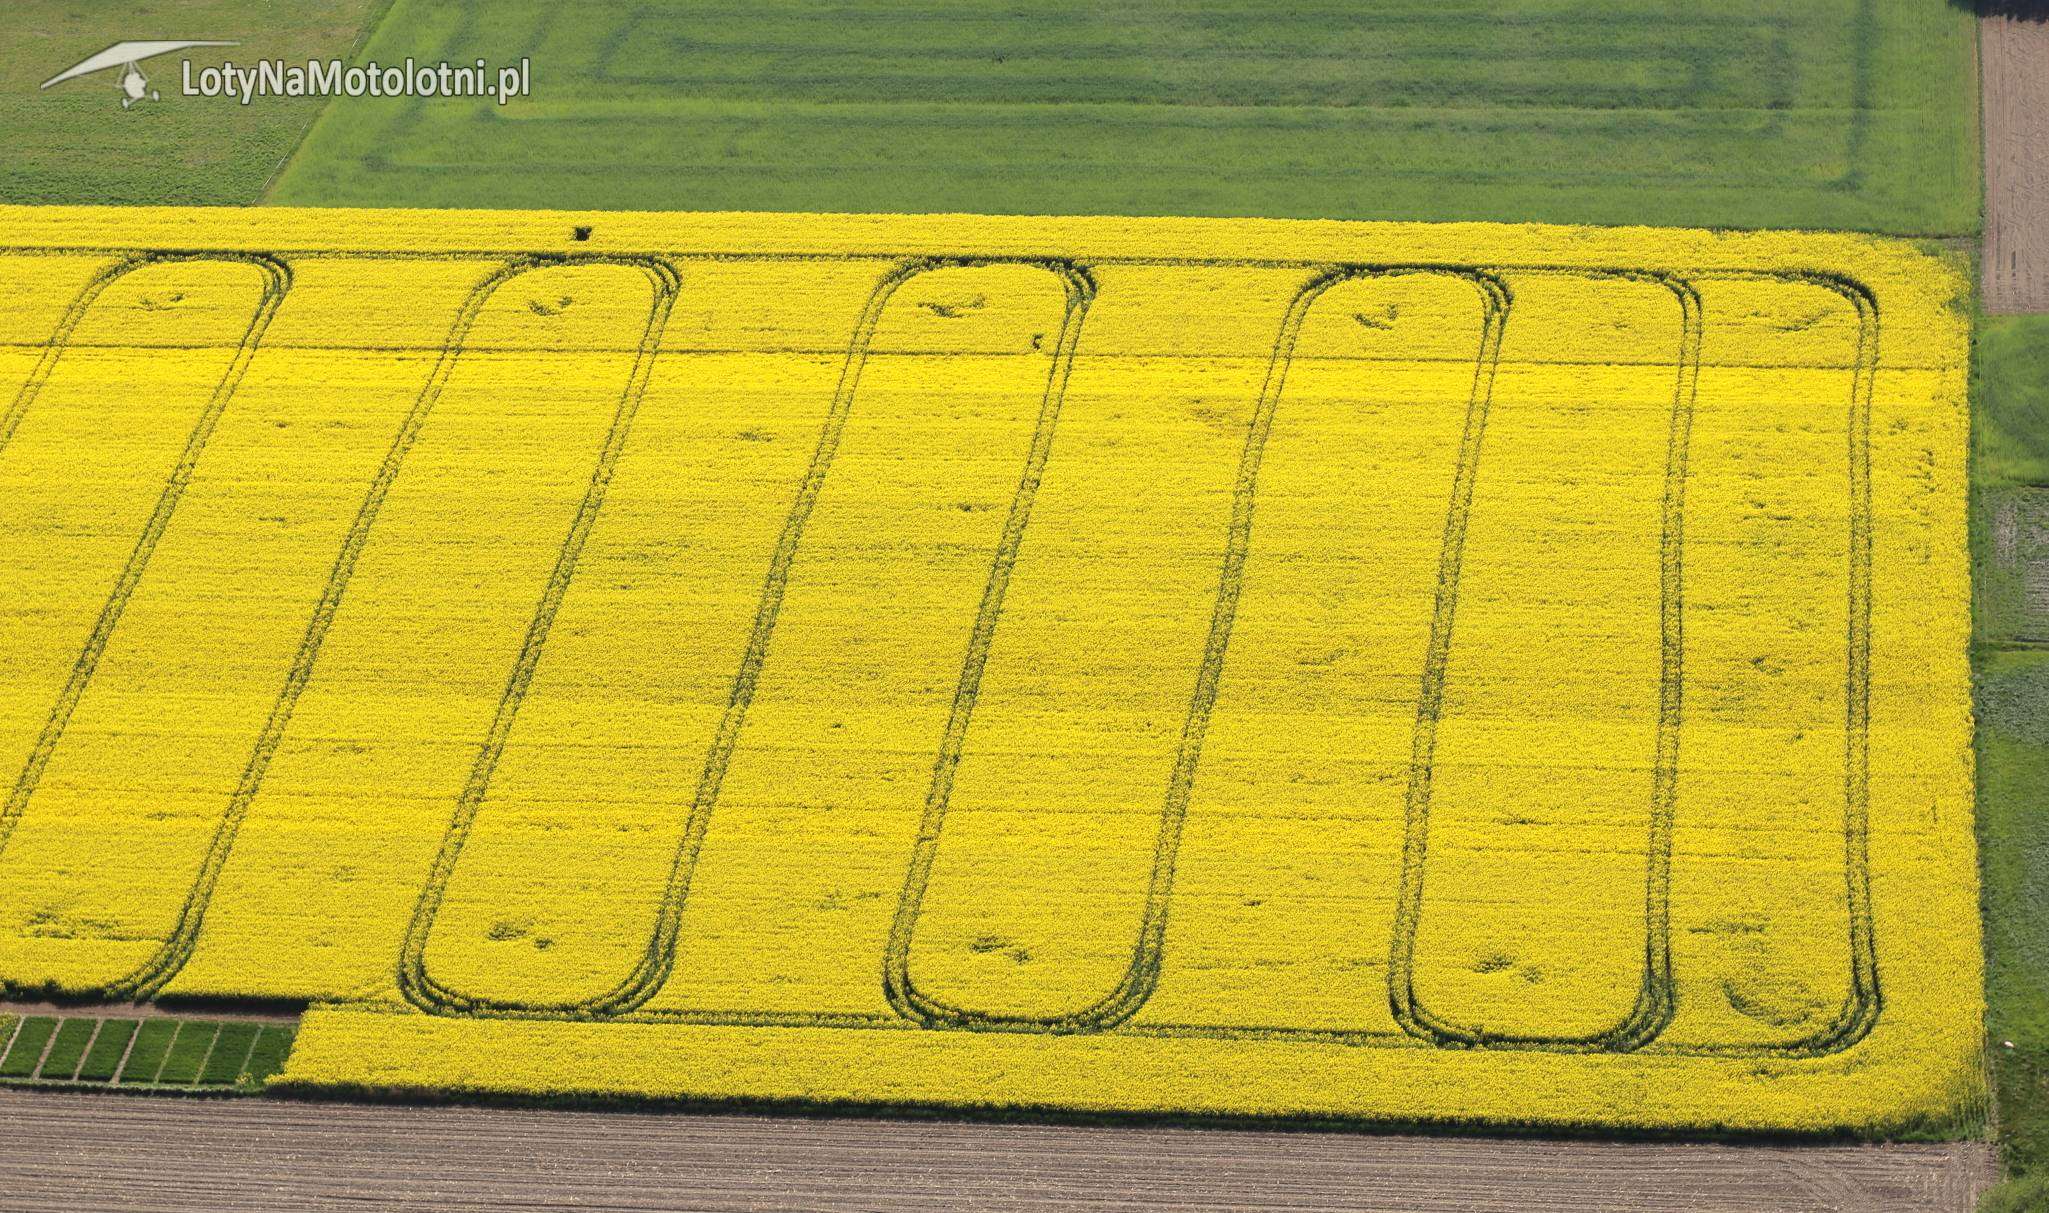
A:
64,1151
2015,58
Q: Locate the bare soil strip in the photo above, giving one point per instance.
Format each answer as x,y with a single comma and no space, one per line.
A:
77,1151
2015,66
148,1010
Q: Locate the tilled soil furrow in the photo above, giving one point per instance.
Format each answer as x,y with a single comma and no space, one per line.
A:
2015,64
157,1154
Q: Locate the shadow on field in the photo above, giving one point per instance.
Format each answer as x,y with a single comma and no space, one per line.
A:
2025,10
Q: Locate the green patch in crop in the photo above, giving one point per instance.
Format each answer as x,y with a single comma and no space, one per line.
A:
230,1049
68,1049
108,1048
188,1052
27,1051
267,1057
152,1042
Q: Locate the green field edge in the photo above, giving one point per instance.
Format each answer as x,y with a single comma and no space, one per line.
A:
2012,770
88,1033
372,22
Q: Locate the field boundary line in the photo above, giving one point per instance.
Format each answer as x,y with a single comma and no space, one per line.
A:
121,1062
372,22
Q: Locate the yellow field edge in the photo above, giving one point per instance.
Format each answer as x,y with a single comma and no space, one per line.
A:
374,1052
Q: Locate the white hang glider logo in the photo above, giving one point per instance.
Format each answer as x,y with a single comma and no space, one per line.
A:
125,55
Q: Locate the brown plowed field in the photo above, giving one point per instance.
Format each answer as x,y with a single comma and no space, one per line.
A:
63,1151
2015,57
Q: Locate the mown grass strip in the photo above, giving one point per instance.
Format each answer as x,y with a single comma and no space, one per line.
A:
68,1049
188,1052
152,1042
108,1048
231,1048
27,1052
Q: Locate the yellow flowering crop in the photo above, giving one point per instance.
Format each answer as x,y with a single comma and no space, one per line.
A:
1452,672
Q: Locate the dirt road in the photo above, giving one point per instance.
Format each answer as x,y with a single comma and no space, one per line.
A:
2015,66
66,1151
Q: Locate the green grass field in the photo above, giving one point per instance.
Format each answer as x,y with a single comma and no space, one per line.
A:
1749,113
2012,360
75,143
191,1054
147,1055
26,1052
108,1049
188,1052
1746,113
68,1049
2011,473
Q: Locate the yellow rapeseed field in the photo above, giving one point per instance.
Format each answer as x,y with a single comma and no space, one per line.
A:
1402,671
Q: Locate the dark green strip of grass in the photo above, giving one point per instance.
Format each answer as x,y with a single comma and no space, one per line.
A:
28,1046
165,1052
151,1043
2013,783
107,1050
229,1052
2012,422
73,1035
188,1052
268,1055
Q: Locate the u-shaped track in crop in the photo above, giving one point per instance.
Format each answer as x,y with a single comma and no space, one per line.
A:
1865,1000
1141,975
652,969
1655,1003
277,279
177,947
414,979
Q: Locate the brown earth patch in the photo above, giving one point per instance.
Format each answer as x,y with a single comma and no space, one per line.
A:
2014,58
70,1151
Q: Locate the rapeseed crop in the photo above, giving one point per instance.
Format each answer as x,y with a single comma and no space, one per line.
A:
1425,672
